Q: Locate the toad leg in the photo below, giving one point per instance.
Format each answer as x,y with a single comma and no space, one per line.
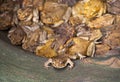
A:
67,14
81,56
47,63
58,23
71,64
35,15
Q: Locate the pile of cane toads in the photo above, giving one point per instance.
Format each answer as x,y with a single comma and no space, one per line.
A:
62,30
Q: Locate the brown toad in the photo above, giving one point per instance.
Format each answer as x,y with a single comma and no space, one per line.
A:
60,61
5,20
46,50
34,37
25,14
27,3
85,10
55,14
38,4
81,47
75,48
102,21
16,35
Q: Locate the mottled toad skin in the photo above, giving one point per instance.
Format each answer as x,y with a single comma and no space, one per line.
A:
54,13
88,9
60,61
25,14
80,46
75,48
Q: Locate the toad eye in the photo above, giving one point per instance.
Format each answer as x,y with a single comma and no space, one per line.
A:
53,62
49,19
43,14
62,62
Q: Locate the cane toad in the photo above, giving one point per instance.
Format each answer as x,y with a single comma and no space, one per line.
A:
60,61
55,14
102,21
112,36
86,10
5,20
38,4
84,47
32,38
25,14
81,47
46,50
16,35
74,48
27,3
113,6
62,33
86,33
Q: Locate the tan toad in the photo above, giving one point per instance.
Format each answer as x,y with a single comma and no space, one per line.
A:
25,14
86,10
75,48
55,14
